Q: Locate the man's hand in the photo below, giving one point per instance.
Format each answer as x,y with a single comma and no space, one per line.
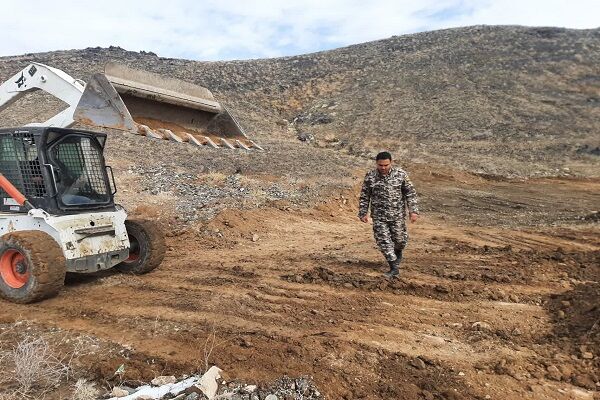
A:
365,219
414,217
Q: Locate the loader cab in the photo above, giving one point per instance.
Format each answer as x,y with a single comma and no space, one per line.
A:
59,170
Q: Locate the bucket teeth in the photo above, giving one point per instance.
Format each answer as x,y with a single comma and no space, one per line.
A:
139,130
142,130
192,139
200,141
169,135
211,143
256,145
242,145
227,144
149,132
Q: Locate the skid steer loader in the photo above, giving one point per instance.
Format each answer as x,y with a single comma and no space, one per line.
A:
57,214
57,210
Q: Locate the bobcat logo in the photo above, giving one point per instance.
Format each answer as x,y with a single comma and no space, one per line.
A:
21,81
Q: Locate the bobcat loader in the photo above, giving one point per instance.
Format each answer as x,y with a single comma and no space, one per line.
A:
57,213
57,210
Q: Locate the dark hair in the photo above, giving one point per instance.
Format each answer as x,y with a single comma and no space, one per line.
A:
384,155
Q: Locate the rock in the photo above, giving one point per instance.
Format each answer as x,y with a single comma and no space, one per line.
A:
427,395
271,397
452,395
249,388
441,289
587,355
538,374
516,332
208,382
517,375
481,326
118,392
566,370
192,396
501,368
163,380
417,363
479,365
305,137
514,298
584,381
302,384
255,237
454,275
145,397
553,373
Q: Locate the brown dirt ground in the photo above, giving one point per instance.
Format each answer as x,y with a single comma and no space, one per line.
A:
307,297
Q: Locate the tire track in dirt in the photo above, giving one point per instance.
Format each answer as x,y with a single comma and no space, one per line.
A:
355,337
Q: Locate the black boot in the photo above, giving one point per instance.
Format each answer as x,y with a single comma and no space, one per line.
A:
393,272
398,254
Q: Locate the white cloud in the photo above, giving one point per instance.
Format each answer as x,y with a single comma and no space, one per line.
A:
228,29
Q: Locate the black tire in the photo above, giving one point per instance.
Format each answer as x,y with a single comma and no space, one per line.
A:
147,248
32,266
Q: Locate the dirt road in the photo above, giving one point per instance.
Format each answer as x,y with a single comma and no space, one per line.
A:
481,311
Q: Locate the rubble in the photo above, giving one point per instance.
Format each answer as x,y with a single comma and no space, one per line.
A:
210,386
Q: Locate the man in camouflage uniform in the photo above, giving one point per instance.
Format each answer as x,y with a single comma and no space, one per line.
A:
389,192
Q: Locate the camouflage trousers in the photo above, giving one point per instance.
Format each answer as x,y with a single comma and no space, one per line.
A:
391,237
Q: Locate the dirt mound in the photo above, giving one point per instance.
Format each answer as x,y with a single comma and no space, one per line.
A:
577,312
446,291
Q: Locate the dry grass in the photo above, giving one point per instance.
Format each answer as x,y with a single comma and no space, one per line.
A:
36,367
85,390
33,363
209,346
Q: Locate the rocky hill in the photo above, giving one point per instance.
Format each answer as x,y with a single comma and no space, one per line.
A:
500,100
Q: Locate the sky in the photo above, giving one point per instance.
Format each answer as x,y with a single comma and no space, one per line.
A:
212,30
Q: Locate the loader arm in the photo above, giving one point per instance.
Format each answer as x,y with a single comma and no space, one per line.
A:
38,76
134,101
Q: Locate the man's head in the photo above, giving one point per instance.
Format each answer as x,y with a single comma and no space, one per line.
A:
384,162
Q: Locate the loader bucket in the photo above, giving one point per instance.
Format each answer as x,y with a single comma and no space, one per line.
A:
171,109
100,105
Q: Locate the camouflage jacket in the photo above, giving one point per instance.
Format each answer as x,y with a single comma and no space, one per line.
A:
388,195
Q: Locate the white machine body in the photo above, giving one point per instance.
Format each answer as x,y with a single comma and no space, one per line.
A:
90,241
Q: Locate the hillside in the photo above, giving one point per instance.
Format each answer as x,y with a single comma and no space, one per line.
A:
495,100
